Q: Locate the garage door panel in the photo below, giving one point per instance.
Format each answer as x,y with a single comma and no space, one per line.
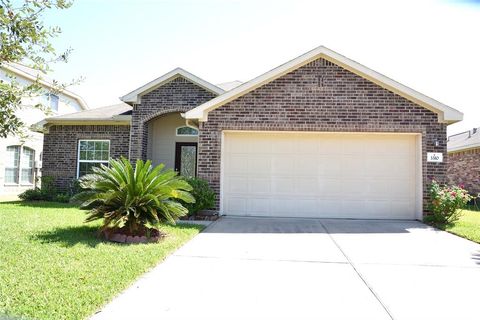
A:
282,165
236,184
258,164
237,164
329,166
259,185
329,188
258,206
319,175
283,145
283,185
306,186
328,145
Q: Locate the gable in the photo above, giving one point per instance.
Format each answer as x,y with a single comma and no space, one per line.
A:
445,113
135,96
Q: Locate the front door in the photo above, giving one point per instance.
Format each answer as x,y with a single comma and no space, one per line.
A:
186,158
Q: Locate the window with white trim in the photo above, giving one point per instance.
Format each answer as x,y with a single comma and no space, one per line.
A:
92,153
187,131
51,100
12,163
27,165
19,165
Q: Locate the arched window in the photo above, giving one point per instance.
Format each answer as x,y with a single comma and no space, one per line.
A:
187,131
19,165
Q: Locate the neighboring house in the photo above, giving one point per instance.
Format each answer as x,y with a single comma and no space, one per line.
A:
319,136
464,160
20,160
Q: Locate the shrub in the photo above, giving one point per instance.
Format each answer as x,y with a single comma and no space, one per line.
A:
133,200
62,197
32,195
447,202
203,194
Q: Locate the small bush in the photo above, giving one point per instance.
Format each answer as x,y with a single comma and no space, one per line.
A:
203,194
446,202
62,197
48,191
31,195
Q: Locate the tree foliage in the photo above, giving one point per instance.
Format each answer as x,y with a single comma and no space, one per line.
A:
24,38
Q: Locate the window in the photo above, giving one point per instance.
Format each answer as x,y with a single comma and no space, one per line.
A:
12,163
19,165
28,159
51,100
187,131
92,153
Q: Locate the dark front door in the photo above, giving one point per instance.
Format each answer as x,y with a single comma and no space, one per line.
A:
186,158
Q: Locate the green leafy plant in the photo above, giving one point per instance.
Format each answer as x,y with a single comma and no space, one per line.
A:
203,194
446,202
133,200
47,192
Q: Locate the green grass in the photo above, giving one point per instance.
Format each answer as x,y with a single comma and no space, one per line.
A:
468,226
53,265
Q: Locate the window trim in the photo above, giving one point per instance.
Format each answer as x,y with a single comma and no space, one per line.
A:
90,161
186,135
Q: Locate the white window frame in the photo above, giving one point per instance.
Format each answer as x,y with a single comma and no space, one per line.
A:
186,135
19,171
91,161
20,167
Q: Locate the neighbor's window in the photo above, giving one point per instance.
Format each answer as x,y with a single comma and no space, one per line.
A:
19,165
187,131
12,163
27,167
51,100
92,153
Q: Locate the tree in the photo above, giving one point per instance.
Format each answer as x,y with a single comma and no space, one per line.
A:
25,38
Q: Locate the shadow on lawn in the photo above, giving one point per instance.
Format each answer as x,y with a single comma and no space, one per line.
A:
70,236
87,235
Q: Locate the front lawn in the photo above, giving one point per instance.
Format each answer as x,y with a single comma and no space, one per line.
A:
52,265
468,226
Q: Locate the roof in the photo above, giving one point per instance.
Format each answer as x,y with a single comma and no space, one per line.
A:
135,96
114,114
445,113
34,75
464,141
227,86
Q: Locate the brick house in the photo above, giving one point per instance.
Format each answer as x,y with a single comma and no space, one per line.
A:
319,136
464,160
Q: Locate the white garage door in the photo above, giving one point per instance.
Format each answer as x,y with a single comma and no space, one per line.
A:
319,175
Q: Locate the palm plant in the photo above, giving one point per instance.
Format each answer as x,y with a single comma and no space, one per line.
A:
134,200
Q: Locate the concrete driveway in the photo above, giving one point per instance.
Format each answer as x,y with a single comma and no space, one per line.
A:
280,268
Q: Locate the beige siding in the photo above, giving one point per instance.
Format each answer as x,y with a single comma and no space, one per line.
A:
29,116
162,138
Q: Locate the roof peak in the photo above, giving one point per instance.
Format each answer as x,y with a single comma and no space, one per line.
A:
134,96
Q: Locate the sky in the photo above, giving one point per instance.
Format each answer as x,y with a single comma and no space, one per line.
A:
119,45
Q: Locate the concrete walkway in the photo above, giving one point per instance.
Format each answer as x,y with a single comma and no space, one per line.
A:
279,268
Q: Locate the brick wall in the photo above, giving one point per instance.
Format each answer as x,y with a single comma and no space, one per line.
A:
60,148
178,95
321,96
464,169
